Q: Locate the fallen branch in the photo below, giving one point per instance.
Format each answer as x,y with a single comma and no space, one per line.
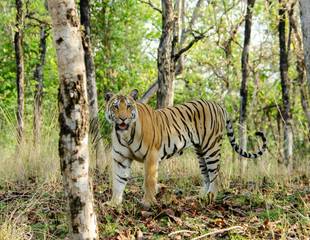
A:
181,231
218,231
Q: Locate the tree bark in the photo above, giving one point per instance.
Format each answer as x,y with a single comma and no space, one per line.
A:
38,76
73,118
300,68
244,89
91,82
286,107
305,24
165,61
19,56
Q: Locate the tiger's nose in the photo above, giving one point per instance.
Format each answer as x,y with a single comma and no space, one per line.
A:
122,118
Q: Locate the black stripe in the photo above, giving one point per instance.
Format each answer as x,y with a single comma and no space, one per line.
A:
190,135
213,114
213,179
218,139
146,153
207,144
171,110
119,140
132,134
189,115
119,153
120,163
203,122
165,153
212,162
185,105
180,112
196,126
212,170
176,127
196,107
123,178
214,153
167,119
139,145
230,134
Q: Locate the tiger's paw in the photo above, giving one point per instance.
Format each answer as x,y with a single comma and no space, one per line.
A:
147,203
211,197
207,196
114,202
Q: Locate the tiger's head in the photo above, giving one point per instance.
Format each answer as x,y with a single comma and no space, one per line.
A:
121,110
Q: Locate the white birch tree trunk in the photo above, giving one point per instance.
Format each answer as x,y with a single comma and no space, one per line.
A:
73,118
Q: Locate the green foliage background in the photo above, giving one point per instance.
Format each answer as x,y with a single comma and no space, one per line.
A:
125,37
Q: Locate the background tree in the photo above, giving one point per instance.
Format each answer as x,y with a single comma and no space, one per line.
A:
91,82
73,118
38,95
305,23
19,56
245,74
169,51
165,57
286,107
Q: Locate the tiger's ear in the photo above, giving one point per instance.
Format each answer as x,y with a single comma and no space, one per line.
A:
134,94
108,95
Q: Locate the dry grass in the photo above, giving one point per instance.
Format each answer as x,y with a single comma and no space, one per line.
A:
30,183
10,231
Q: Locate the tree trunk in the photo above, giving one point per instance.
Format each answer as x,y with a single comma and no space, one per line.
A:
38,76
286,111
73,118
300,68
19,56
305,24
91,83
243,89
165,61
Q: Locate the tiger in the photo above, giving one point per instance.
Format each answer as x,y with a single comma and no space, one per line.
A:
149,136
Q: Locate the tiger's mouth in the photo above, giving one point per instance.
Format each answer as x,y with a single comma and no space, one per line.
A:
121,126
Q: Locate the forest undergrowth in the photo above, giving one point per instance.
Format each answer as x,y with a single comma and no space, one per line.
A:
266,203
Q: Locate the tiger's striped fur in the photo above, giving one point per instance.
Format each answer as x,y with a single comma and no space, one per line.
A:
146,135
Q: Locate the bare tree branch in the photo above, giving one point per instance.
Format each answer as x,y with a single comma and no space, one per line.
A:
149,93
185,49
151,5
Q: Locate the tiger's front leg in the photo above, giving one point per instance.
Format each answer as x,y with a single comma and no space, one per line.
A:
150,179
121,170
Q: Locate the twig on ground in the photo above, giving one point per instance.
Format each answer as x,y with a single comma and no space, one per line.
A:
218,231
181,231
241,213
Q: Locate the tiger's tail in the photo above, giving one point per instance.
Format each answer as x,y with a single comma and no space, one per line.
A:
238,149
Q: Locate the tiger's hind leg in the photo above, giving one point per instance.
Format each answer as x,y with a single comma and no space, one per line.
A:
213,167
205,176
209,166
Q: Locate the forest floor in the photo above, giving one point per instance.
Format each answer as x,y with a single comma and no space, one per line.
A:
243,211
